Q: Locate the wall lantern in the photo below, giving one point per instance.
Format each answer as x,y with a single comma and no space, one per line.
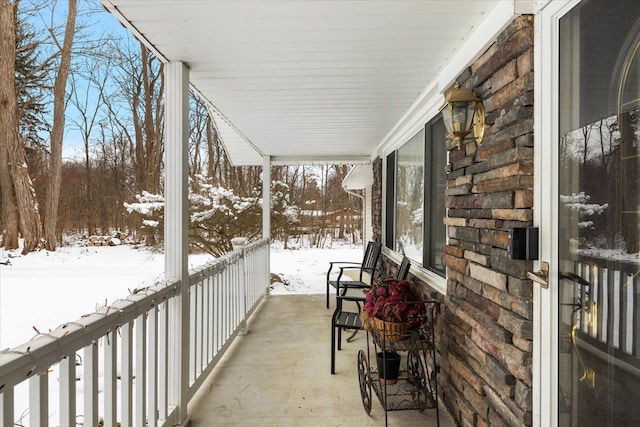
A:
462,114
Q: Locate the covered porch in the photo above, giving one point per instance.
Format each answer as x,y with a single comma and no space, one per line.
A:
350,82
278,375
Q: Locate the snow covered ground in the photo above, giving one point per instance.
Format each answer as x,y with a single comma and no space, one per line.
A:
42,290
45,289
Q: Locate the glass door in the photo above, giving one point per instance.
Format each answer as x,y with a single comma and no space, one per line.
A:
598,215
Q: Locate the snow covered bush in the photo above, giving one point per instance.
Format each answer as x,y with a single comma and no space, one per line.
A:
216,214
150,207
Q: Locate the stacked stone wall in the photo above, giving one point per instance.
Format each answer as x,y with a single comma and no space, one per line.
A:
485,327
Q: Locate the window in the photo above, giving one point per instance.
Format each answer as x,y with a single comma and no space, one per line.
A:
435,186
415,197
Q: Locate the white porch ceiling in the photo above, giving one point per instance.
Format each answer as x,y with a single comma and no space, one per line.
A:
305,80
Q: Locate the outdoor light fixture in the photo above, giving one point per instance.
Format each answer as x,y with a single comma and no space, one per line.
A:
462,114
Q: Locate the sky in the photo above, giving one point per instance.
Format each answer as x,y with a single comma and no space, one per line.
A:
92,23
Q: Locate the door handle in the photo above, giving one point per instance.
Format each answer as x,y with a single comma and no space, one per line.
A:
541,276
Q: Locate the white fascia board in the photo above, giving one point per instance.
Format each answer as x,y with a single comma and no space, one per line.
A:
109,7
428,103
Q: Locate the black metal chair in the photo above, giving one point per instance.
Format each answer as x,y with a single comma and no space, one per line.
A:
350,320
368,265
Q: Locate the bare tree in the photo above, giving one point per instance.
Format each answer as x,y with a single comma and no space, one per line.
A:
57,131
147,118
12,154
198,120
94,75
140,82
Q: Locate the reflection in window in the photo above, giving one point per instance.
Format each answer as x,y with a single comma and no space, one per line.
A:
599,215
410,198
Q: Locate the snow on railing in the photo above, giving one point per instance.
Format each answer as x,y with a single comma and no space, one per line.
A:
118,363
605,294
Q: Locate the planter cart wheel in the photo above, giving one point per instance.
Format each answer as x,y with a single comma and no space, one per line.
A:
418,377
364,379
420,380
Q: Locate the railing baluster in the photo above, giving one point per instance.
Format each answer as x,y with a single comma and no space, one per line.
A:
226,312
152,374
39,400
623,312
610,306
90,371
200,317
126,375
617,313
193,335
110,378
140,344
6,407
595,298
67,369
207,319
602,286
218,310
163,360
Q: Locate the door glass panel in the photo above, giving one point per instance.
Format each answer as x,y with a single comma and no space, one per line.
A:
598,215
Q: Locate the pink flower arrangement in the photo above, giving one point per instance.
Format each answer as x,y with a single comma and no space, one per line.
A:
388,299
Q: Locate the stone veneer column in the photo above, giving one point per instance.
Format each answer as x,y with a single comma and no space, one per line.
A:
487,331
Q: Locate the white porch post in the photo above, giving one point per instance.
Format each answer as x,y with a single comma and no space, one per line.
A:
266,197
175,231
266,211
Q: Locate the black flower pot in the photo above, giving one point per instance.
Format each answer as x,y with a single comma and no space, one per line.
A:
388,366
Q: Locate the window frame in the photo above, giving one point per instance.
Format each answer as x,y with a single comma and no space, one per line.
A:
429,194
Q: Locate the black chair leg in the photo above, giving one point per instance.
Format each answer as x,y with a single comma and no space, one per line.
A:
328,277
327,293
333,344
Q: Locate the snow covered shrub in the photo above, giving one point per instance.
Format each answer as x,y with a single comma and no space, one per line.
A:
150,208
216,214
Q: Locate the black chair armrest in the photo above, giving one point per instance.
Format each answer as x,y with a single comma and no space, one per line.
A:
345,262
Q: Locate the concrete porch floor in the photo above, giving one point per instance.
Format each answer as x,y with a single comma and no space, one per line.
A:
279,375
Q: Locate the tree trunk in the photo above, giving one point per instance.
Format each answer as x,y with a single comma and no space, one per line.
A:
25,199
9,212
57,132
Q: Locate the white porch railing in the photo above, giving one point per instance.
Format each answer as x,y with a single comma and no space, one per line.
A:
117,365
604,296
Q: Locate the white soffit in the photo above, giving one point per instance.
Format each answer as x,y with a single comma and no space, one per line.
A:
359,177
305,79
237,146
